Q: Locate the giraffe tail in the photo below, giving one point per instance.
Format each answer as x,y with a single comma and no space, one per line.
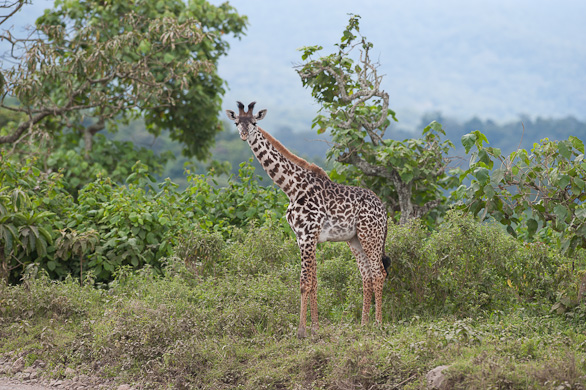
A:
386,262
386,259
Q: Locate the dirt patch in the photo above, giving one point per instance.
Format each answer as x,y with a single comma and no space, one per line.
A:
15,376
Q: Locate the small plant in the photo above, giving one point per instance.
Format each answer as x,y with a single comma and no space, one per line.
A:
201,251
71,243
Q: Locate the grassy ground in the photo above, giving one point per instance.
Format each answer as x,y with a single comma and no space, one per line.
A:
232,323
162,333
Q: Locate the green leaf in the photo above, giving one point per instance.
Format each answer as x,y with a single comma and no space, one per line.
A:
561,212
569,245
497,176
577,143
468,141
564,150
144,47
511,231
480,138
51,265
131,178
482,175
563,181
151,238
581,212
495,152
41,248
46,234
531,227
407,177
484,157
168,58
489,191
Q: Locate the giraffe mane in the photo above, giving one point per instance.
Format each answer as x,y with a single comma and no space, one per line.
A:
291,157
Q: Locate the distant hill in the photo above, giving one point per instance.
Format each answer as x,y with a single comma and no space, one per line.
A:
509,136
308,144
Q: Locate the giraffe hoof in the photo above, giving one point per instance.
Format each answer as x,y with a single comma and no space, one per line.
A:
301,333
314,330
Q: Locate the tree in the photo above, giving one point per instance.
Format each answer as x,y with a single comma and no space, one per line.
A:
86,68
531,192
409,175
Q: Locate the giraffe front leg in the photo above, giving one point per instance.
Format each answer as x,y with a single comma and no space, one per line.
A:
308,286
313,303
301,332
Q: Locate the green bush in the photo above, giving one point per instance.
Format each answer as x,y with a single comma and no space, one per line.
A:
110,225
339,283
186,329
107,158
466,268
32,205
242,201
262,249
463,268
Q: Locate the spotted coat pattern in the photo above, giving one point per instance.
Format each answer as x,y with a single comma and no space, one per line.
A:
321,210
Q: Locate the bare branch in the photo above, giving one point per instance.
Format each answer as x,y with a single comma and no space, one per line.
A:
369,82
13,8
23,127
370,169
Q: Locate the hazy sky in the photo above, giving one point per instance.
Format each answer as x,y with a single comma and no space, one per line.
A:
492,59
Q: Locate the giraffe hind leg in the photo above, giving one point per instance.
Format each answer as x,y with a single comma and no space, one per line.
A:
364,267
372,245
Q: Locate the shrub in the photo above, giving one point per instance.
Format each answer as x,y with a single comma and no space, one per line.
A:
110,225
238,204
466,268
32,208
262,249
339,283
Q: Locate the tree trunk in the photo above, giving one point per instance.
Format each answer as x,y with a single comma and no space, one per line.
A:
4,269
88,134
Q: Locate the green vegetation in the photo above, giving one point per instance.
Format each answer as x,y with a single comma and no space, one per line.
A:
109,225
542,189
224,316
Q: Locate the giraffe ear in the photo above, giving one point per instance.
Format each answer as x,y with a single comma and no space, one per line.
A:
231,114
261,114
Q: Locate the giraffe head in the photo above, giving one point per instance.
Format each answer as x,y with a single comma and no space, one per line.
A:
246,121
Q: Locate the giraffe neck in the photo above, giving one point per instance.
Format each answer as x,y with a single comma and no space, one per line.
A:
282,171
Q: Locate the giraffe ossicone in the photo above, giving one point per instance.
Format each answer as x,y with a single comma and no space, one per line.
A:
321,210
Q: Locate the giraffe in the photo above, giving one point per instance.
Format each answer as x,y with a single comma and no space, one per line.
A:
321,210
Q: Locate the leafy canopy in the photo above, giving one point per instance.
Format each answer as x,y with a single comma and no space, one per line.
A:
540,191
95,63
